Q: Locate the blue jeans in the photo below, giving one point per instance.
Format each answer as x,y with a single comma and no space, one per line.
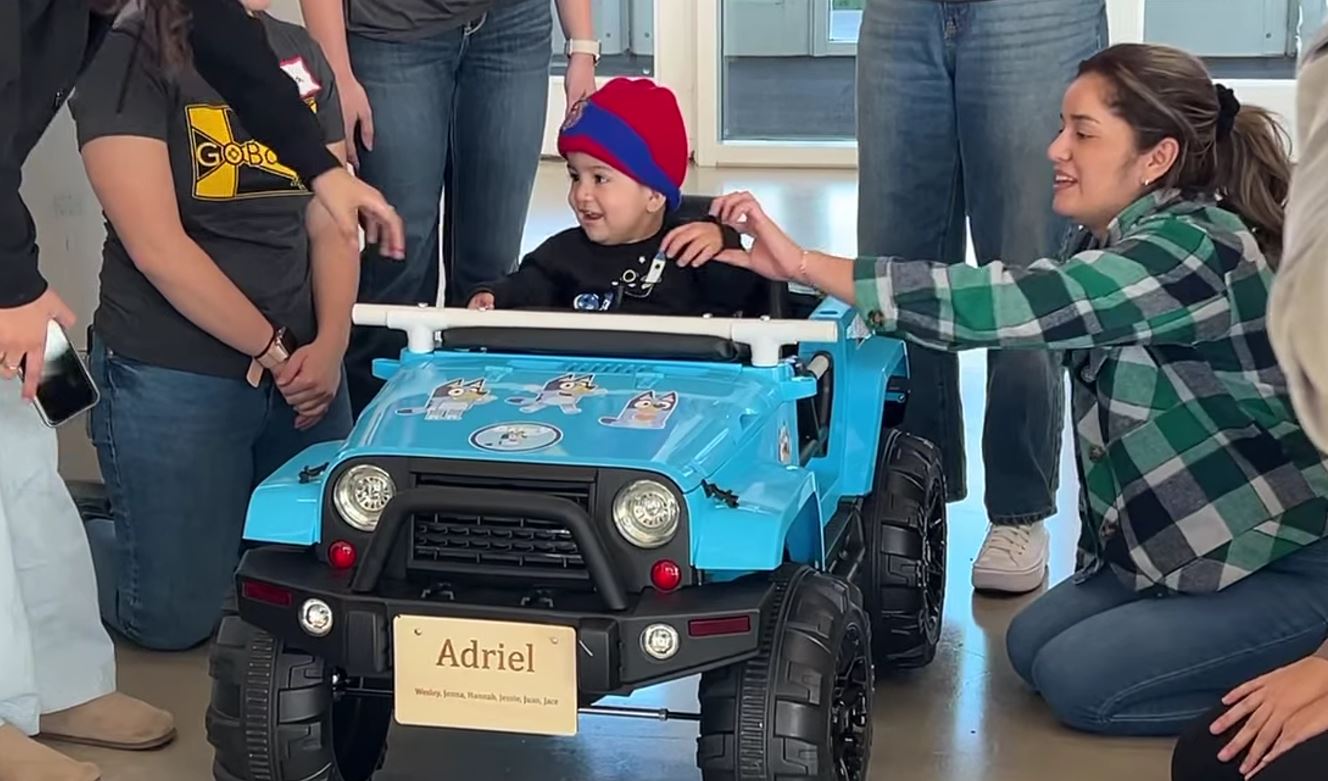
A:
957,104
180,454
1109,660
461,113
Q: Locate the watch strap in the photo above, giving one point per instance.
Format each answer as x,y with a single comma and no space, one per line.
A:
582,46
277,352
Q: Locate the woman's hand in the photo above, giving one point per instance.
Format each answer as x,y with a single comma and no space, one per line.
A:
309,381
694,243
347,199
773,255
579,83
355,112
1279,710
481,301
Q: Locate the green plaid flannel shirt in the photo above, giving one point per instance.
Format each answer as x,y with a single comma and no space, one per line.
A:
1194,470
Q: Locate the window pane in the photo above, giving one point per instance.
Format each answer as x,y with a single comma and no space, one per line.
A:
785,63
1248,39
845,19
626,30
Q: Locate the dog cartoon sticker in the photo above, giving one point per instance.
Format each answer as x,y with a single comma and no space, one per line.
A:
563,392
452,400
516,437
645,410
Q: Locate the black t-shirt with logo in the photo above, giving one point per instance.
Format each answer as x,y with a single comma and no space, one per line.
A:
569,271
236,200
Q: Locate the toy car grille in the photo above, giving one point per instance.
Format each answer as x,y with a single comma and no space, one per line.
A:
494,540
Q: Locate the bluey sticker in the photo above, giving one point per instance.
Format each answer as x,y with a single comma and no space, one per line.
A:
563,392
516,437
452,400
785,444
304,79
646,410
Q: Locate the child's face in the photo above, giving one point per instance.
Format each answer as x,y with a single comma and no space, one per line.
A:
611,207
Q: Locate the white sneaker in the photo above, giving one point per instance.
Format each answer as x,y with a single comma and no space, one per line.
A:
1013,559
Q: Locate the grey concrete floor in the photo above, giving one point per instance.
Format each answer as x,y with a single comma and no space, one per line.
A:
964,718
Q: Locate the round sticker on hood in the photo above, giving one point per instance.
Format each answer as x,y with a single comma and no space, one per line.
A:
516,437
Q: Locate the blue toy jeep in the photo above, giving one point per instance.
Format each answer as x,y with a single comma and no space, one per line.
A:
540,510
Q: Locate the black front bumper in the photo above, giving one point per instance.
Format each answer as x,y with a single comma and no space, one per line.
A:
273,583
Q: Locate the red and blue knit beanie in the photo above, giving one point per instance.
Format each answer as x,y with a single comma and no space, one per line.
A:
635,126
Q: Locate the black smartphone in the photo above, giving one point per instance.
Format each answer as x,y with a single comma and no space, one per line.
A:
66,387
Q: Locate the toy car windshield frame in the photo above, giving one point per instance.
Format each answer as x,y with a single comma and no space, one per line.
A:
616,334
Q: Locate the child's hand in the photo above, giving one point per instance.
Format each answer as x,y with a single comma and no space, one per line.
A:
481,301
694,243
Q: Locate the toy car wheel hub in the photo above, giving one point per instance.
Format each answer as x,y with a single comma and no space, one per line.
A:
851,715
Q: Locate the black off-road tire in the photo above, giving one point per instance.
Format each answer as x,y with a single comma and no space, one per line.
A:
274,717
801,708
902,576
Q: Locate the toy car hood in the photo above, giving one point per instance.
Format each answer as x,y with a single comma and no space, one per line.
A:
681,419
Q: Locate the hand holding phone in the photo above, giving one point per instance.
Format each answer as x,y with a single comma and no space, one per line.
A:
65,387
23,332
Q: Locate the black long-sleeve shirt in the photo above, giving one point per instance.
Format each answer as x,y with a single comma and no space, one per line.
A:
569,271
44,46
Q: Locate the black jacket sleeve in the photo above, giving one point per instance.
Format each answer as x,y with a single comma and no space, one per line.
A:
232,53
20,282
533,285
730,289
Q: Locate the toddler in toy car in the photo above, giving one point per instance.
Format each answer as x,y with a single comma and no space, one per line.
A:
626,152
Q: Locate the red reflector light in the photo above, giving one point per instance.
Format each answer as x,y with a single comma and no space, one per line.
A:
341,555
666,575
266,592
714,627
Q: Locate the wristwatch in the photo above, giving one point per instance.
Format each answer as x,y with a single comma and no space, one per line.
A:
582,46
277,352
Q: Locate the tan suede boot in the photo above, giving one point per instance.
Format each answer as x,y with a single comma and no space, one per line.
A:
115,721
24,759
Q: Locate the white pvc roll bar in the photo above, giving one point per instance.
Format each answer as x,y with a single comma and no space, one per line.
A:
765,337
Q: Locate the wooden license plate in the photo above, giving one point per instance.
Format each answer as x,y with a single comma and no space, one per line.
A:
485,675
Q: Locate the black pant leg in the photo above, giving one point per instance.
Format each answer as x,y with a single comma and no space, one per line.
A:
1195,757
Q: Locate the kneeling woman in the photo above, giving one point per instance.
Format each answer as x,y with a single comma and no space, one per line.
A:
1204,506
223,317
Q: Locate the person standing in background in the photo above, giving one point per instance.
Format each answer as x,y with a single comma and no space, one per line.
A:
425,82
957,102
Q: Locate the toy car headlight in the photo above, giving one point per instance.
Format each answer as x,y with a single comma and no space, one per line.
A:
361,494
646,514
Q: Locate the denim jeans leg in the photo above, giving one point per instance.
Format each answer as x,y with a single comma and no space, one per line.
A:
1059,609
1151,666
502,101
911,187
1014,60
175,452
281,441
411,91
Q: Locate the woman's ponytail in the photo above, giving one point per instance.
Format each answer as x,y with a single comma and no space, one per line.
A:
1254,174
